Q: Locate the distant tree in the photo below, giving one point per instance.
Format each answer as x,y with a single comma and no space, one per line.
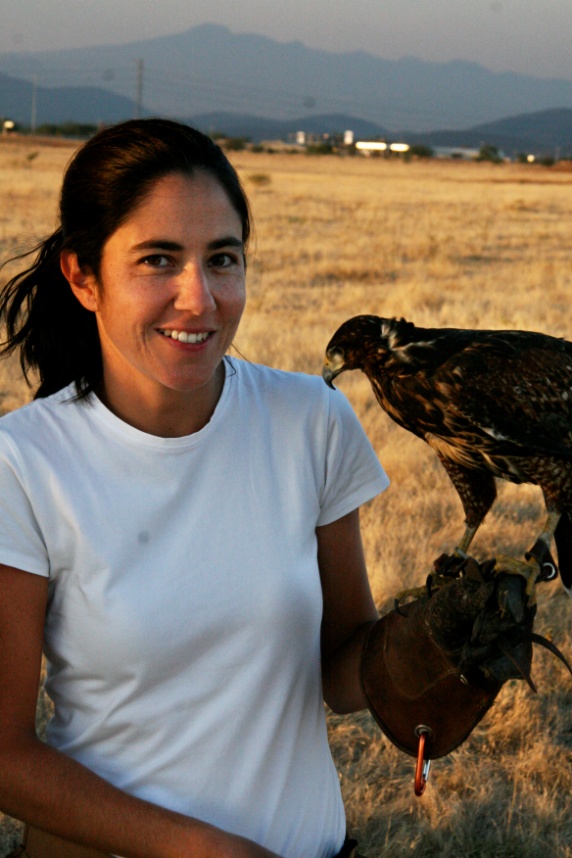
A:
67,129
489,153
419,150
235,144
325,148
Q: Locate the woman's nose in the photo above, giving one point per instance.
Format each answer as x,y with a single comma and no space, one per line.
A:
193,291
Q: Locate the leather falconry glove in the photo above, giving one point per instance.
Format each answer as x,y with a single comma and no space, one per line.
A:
435,665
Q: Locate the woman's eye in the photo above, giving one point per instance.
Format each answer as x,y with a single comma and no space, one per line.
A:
156,260
223,260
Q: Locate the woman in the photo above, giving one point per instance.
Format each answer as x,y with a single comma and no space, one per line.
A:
179,531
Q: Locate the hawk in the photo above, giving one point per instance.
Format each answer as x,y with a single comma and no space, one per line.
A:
489,403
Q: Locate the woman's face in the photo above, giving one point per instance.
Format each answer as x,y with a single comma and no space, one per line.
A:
170,294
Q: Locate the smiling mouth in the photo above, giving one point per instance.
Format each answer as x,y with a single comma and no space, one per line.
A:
184,337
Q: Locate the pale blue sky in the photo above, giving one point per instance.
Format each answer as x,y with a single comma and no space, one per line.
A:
527,36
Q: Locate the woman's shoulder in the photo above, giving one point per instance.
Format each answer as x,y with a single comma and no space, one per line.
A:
35,419
260,376
297,392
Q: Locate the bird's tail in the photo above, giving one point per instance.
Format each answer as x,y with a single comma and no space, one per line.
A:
563,540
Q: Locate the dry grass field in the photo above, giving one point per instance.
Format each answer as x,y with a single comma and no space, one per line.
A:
451,244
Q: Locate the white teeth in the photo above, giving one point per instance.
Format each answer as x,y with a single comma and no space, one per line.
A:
183,337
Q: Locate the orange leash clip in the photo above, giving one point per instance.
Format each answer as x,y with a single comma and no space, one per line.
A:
422,767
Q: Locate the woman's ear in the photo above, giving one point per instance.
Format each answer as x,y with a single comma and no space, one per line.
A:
83,283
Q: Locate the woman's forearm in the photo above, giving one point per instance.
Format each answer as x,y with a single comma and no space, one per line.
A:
48,790
341,674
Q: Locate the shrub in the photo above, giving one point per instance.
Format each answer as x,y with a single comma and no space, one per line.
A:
421,151
259,179
489,153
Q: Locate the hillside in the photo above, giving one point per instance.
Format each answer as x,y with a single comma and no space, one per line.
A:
544,132
258,128
209,68
61,104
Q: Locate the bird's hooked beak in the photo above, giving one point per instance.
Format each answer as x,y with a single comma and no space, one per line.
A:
333,366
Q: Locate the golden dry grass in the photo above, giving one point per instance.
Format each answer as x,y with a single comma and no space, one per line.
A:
452,244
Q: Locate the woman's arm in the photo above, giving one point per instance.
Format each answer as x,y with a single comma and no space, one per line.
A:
349,611
43,787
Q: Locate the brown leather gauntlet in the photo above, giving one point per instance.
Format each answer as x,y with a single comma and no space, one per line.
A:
410,684
436,664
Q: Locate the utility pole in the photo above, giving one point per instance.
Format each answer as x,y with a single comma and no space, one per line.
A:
139,98
34,103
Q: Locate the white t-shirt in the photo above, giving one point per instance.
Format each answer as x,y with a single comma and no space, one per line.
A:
183,626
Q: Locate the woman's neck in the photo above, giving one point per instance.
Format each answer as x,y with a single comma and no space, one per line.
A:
168,413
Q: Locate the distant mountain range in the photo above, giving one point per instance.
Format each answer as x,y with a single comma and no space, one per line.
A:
252,86
210,69
541,133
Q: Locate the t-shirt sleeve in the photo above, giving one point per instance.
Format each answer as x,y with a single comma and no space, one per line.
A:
21,542
353,473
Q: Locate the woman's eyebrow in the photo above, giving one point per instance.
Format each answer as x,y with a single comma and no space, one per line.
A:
158,244
166,244
226,241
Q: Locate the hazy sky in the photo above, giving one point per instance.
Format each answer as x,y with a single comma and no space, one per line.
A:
527,36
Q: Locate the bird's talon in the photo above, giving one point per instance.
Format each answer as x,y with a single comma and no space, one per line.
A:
530,570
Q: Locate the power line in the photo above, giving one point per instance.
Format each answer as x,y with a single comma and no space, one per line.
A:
139,97
33,116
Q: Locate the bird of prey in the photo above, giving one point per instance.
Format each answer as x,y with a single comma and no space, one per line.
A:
489,403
